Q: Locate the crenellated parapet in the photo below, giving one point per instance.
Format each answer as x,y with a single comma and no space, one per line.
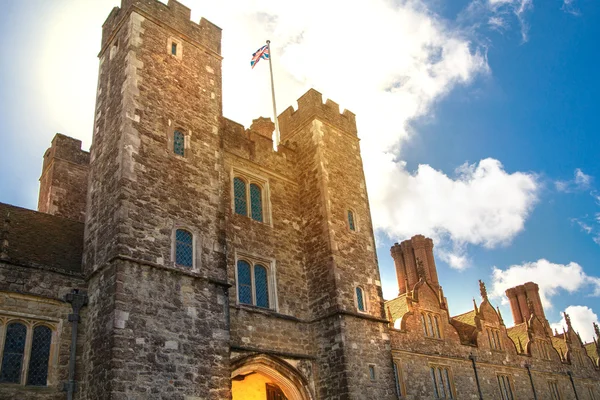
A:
173,14
310,107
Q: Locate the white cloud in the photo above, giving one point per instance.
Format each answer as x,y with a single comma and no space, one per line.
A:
482,205
518,7
569,7
550,277
580,181
582,319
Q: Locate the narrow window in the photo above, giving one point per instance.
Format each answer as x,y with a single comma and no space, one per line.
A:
397,380
449,385
554,390
174,48
437,327
244,282
14,349
591,393
351,221
435,386
360,301
239,192
424,324
262,286
441,383
430,326
184,248
372,372
256,202
498,343
40,354
179,143
505,389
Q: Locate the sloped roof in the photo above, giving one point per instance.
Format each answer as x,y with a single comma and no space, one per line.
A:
397,307
465,326
558,342
41,240
518,332
590,348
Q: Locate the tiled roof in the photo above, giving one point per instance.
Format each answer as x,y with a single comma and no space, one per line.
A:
558,342
40,239
465,326
591,351
518,332
397,307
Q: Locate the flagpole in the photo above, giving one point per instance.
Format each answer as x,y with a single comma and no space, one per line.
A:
277,137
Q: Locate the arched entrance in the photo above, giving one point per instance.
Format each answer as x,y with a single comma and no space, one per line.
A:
262,377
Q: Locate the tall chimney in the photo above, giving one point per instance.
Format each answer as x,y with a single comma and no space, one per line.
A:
514,306
414,260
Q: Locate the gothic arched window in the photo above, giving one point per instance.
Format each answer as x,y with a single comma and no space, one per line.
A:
256,202
14,350
351,223
184,248
179,143
239,193
39,356
253,284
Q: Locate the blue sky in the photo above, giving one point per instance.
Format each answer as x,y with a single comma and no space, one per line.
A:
478,119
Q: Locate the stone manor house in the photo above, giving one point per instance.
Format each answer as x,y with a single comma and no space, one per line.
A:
183,258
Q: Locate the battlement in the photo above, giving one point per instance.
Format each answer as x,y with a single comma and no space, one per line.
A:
174,15
66,148
311,106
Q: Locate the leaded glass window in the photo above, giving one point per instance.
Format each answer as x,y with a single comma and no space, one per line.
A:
441,383
397,381
436,322
239,193
253,284
554,390
430,326
244,276
174,48
360,299
39,356
179,143
256,202
262,286
351,221
14,350
424,324
184,248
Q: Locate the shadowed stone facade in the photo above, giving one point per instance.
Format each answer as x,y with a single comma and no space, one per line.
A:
164,161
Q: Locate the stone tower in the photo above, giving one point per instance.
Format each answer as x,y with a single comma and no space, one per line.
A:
352,344
156,328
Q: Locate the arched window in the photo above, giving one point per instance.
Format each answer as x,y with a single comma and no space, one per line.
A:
39,356
360,299
436,322
253,284
239,193
244,282
351,223
498,342
14,349
179,143
262,286
256,202
424,325
184,248
430,326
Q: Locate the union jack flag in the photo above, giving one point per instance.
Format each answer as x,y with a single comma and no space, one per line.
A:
263,52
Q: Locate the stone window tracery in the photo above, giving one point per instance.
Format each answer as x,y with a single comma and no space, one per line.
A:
554,392
254,283
504,384
249,198
443,387
25,353
493,335
431,325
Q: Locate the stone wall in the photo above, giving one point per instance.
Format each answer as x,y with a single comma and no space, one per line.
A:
35,295
64,179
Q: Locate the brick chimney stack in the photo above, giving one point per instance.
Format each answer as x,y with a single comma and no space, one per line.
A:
520,296
413,259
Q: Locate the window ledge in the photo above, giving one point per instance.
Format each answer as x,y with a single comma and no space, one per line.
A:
269,312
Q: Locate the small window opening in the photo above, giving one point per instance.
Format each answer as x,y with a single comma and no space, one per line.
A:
360,299
179,143
351,223
372,372
184,248
174,48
